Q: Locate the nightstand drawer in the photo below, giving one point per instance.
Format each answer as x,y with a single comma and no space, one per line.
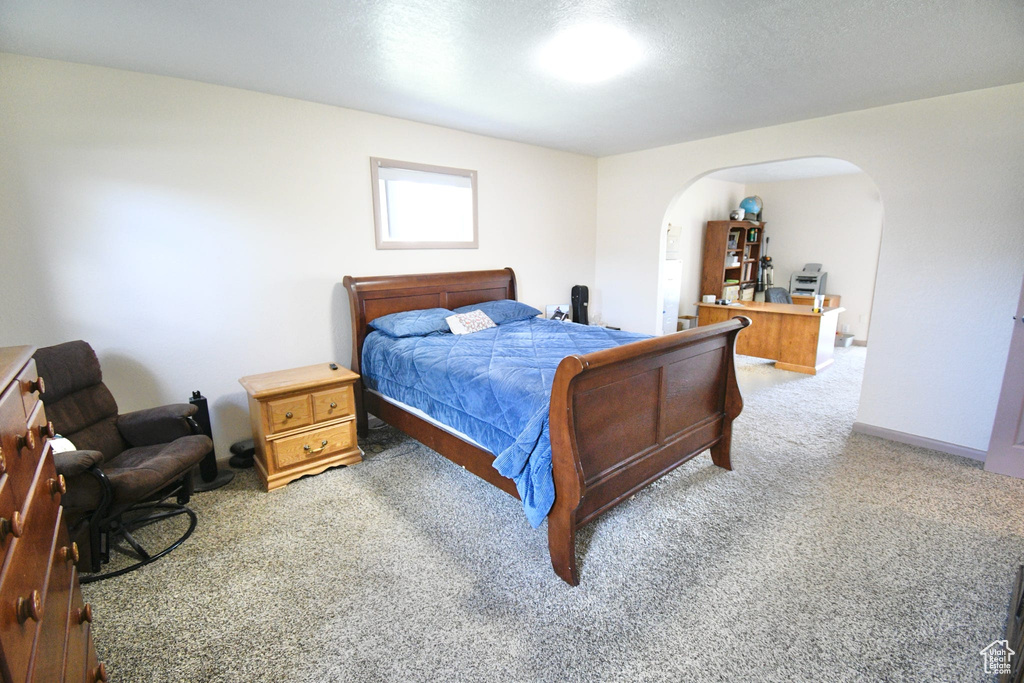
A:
295,450
289,413
333,404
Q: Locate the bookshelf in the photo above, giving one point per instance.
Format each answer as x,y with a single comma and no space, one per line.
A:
732,250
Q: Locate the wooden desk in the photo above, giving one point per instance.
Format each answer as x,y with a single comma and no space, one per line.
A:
793,336
831,300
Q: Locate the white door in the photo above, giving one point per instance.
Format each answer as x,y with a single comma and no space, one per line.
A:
672,282
1006,448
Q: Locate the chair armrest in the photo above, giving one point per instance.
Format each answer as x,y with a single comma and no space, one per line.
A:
156,425
72,463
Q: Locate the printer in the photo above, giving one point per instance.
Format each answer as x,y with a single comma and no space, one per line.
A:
809,281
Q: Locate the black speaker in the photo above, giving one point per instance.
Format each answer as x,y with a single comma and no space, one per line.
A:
580,303
209,477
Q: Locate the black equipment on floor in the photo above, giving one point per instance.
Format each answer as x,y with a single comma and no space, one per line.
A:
210,477
243,453
580,304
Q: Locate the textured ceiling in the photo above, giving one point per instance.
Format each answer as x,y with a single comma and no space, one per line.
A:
710,66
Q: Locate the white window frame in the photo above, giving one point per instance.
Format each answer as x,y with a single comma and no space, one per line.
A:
382,232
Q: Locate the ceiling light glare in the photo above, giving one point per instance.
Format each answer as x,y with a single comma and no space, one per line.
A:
590,53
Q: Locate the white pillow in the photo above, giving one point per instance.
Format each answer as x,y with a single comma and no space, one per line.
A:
464,323
59,444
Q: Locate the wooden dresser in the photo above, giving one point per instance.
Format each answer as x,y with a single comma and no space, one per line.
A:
303,421
45,632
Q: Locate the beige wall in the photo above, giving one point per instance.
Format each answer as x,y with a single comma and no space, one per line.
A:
706,200
951,260
835,221
195,233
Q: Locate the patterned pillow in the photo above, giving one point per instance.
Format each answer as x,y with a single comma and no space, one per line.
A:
502,311
474,321
412,323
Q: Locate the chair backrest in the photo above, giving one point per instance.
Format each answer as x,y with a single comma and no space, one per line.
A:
80,406
777,295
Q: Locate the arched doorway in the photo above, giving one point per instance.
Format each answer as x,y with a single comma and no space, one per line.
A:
817,210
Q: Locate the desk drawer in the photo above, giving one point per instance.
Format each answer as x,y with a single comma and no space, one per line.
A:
313,445
289,413
332,404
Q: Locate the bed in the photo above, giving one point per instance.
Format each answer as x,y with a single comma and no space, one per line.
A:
618,418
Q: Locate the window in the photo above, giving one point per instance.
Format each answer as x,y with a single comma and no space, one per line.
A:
416,206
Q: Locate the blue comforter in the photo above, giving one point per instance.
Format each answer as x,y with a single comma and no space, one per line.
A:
493,385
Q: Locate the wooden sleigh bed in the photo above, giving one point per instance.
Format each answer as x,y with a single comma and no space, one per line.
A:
620,418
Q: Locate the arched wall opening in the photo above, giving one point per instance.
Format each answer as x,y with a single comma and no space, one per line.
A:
816,210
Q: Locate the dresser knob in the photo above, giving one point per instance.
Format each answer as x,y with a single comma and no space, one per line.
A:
30,608
85,614
333,404
3,462
34,385
100,673
57,485
288,415
70,552
27,441
47,431
14,526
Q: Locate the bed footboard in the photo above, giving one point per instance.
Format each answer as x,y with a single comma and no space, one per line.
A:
623,417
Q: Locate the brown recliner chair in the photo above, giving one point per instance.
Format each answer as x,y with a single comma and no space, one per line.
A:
127,466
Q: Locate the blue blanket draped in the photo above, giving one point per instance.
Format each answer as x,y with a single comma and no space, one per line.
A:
494,386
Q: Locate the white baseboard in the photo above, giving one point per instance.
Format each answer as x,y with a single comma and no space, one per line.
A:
922,441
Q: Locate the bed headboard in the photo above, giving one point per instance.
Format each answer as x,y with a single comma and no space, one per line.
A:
371,297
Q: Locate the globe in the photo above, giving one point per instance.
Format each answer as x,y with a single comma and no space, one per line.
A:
752,205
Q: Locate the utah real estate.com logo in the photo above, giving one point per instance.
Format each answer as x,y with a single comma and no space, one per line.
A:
997,657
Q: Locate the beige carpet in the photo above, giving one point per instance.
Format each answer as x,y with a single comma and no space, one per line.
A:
822,557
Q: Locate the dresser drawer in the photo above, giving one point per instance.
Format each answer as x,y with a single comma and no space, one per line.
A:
30,385
77,644
332,404
23,580
12,524
289,413
315,444
19,445
48,661
30,445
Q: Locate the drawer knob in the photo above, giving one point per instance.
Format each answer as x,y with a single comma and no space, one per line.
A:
34,385
312,451
100,673
14,526
57,485
85,614
288,415
70,552
333,404
3,462
27,441
30,608
47,431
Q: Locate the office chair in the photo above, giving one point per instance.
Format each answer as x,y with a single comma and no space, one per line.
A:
127,466
777,295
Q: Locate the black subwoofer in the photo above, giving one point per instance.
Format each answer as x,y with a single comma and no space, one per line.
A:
580,303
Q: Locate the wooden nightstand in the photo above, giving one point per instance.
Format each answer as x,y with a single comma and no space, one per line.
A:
303,421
